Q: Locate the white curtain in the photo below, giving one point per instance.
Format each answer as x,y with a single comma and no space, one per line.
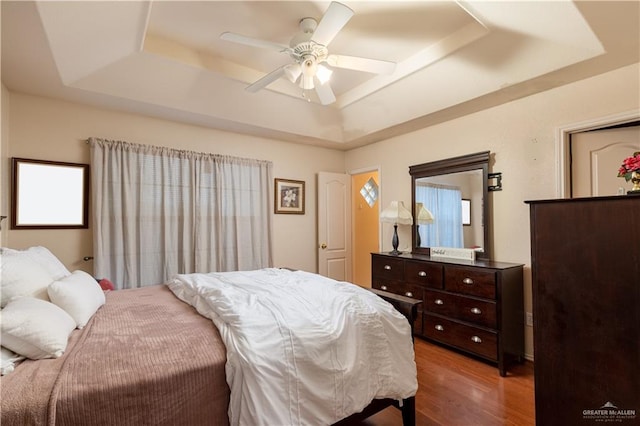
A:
160,211
445,203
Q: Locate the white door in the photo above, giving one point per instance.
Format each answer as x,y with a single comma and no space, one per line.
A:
334,225
596,157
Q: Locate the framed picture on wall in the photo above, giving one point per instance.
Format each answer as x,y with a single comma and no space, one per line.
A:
49,194
289,196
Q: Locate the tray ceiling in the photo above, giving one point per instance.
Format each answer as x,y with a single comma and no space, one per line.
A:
166,59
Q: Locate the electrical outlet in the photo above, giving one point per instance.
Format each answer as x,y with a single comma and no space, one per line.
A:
529,319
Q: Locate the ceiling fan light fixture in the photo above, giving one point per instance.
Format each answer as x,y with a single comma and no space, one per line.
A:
306,82
309,65
293,72
323,73
308,49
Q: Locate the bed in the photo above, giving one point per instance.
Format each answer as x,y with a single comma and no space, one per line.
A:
146,356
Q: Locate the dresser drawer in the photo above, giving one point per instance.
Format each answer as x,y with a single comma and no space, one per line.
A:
461,308
471,281
426,274
472,339
387,268
401,288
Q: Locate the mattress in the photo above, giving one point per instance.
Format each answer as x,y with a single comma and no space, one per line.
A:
144,358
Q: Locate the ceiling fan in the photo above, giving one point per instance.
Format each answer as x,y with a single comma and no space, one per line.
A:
308,49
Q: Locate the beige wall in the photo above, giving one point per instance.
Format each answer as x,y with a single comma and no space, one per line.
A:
522,135
43,128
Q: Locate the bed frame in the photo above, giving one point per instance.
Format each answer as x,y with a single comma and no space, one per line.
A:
55,400
409,308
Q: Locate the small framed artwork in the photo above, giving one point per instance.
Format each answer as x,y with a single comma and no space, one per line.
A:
466,212
289,196
49,194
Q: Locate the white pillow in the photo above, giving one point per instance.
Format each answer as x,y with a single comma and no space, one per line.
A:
35,328
79,295
20,275
48,261
9,360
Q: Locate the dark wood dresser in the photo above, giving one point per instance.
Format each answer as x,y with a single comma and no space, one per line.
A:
475,307
585,256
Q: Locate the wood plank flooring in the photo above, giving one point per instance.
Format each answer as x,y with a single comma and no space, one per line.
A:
454,389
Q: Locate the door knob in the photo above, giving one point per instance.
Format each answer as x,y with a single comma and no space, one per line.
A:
323,246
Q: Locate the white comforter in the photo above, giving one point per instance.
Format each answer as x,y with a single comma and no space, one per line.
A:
302,349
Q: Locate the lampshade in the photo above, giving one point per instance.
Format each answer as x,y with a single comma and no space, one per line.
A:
423,215
306,83
397,214
292,72
323,73
308,68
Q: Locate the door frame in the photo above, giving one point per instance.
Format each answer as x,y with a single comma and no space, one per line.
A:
563,140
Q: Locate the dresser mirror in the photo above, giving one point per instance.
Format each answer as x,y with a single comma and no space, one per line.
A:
450,204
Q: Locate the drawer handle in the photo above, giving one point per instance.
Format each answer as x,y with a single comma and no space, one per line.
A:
476,339
422,274
439,327
438,302
383,287
408,294
387,267
468,281
476,311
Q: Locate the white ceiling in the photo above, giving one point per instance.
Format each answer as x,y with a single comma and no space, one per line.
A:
165,59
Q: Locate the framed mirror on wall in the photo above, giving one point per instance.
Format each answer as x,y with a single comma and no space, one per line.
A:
49,194
454,192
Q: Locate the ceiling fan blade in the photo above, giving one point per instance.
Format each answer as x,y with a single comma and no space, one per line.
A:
266,80
324,92
336,17
375,66
254,42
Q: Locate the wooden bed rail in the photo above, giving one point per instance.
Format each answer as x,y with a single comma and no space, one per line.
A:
408,411
405,305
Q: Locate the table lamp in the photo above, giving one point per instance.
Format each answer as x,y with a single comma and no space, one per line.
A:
397,214
423,217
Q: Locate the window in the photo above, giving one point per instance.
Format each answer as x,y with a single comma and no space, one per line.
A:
369,192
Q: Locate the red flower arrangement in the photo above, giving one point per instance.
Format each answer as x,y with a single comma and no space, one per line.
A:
630,165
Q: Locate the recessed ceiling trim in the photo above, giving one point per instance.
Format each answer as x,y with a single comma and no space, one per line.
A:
79,45
143,31
437,51
176,51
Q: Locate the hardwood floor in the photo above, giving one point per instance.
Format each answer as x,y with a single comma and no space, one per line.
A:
454,389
